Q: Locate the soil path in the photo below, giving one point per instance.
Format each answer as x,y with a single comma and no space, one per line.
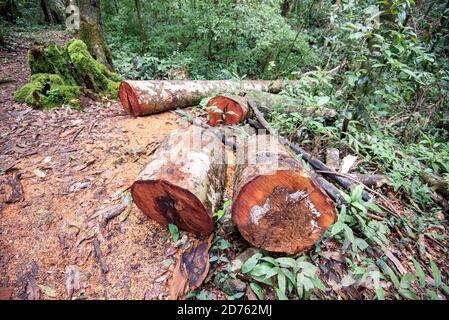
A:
71,165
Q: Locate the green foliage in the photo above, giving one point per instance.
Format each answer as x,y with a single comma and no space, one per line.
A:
208,38
174,232
285,274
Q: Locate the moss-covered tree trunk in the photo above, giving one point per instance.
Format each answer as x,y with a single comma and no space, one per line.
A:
91,31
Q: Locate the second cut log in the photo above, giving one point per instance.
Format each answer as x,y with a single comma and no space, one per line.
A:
278,206
184,181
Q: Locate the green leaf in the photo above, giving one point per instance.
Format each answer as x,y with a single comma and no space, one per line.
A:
432,295
50,292
174,232
251,263
281,295
323,100
267,281
420,273
356,193
407,280
258,291
270,260
318,283
287,262
409,294
299,286
436,274
347,280
282,282
337,228
261,269
290,275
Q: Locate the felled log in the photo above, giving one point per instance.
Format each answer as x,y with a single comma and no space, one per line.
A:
316,163
231,109
227,109
277,205
184,181
330,189
147,97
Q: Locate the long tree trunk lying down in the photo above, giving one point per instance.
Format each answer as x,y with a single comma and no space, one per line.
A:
147,97
277,204
184,181
235,109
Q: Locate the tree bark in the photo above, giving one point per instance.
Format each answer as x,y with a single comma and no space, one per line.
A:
47,13
184,181
9,10
235,109
277,204
143,35
287,8
147,97
91,31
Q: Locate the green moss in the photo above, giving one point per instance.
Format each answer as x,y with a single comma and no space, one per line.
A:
46,91
53,59
59,73
95,75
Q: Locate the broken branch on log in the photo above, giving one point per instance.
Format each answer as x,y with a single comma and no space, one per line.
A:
184,181
147,97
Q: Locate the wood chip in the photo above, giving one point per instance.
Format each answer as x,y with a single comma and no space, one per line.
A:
6,293
39,173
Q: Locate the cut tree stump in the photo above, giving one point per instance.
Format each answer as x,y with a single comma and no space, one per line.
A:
153,96
278,206
232,109
227,109
184,181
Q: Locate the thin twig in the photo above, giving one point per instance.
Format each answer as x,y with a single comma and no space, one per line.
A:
99,255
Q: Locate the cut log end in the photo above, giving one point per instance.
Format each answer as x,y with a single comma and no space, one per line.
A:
169,204
129,99
283,212
226,110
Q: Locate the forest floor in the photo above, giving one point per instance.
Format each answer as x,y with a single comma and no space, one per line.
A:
75,169
71,165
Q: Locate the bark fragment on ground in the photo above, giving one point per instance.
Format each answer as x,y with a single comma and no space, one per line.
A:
191,269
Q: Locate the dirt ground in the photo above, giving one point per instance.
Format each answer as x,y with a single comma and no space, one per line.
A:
71,165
